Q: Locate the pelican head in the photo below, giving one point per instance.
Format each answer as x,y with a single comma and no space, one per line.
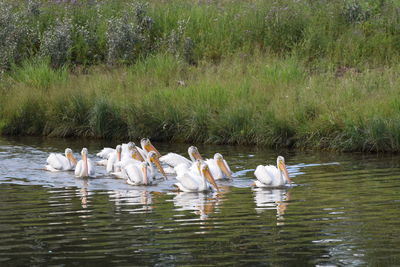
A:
153,158
207,174
143,168
131,146
194,153
147,146
119,150
70,156
280,162
84,152
222,165
68,151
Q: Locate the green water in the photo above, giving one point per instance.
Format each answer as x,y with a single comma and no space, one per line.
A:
343,211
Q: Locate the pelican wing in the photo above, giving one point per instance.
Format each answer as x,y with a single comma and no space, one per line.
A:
58,162
173,159
181,169
188,183
265,174
133,174
91,169
53,161
194,170
126,161
105,152
79,168
112,159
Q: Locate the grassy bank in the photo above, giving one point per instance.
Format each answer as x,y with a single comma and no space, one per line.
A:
242,100
304,74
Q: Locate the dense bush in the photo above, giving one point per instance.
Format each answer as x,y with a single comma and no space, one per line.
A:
349,32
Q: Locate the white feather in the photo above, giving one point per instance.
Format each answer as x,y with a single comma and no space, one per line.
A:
173,160
58,162
268,176
105,152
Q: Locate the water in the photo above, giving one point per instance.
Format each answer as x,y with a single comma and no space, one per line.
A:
344,211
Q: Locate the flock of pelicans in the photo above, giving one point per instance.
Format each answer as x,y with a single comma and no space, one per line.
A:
143,166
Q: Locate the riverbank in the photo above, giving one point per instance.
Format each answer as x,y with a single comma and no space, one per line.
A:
293,74
242,100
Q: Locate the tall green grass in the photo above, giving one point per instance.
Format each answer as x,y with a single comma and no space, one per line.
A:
305,74
258,100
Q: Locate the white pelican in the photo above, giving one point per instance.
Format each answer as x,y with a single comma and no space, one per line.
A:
114,158
219,167
105,152
127,150
136,174
59,162
271,176
191,181
133,152
147,147
173,159
151,160
84,167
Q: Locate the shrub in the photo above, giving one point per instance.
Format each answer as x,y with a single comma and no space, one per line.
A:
56,42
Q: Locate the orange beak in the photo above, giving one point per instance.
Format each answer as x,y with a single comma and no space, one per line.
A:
221,164
149,147
285,172
197,155
72,159
210,178
136,155
159,167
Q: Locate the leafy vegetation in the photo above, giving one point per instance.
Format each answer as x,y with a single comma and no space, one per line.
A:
305,74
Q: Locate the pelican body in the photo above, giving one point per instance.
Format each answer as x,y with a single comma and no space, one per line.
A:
130,163
113,158
136,174
271,176
84,168
191,181
58,162
173,159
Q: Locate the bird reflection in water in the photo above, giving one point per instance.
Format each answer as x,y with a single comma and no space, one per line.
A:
84,193
201,203
273,198
141,199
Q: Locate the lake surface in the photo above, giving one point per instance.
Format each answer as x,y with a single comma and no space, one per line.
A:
343,211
